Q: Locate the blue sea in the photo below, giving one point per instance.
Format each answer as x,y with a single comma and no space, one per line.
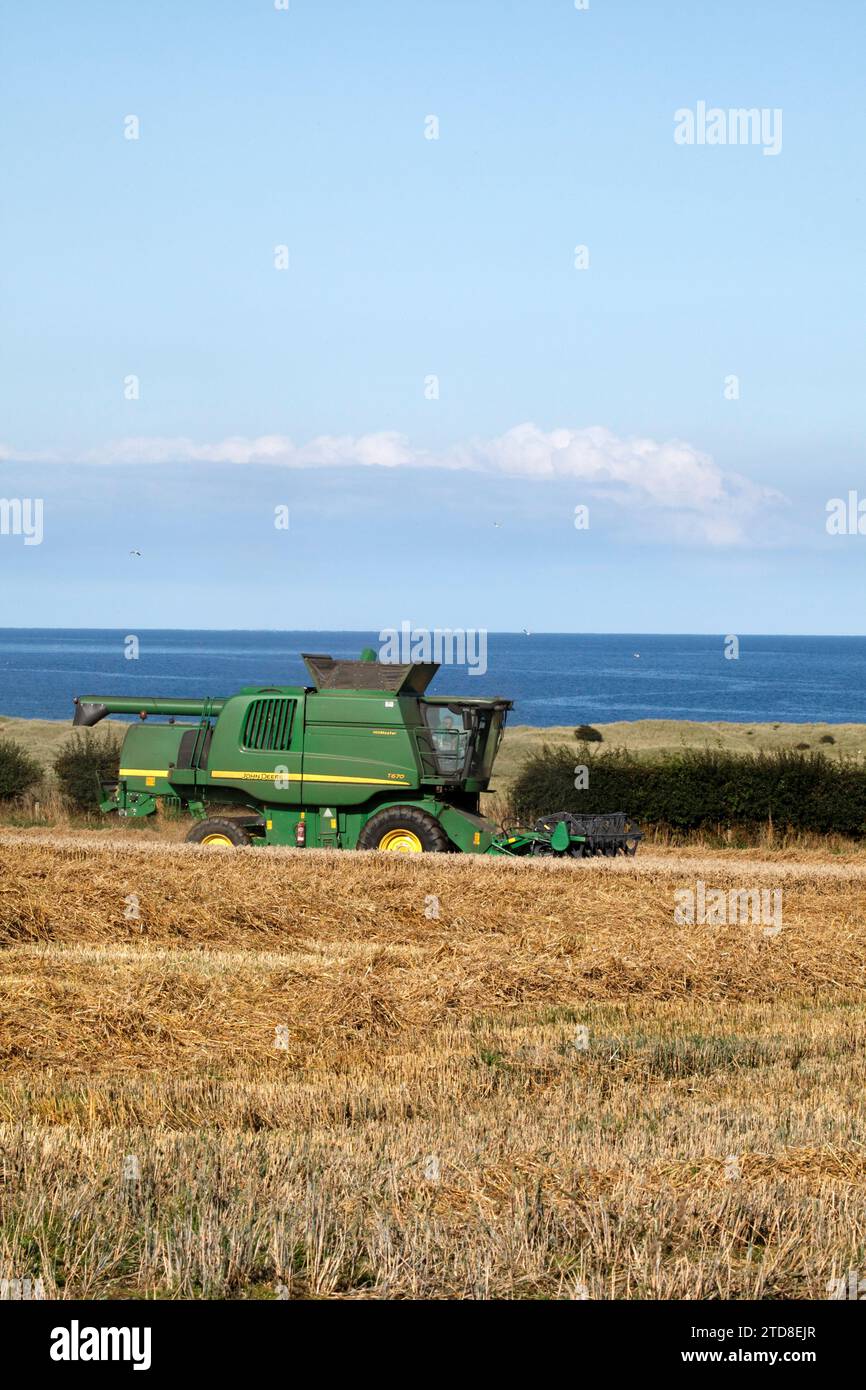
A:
553,678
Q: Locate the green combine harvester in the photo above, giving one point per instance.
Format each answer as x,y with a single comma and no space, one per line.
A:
361,759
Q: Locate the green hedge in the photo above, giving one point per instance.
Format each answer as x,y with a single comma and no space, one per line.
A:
696,788
87,759
18,770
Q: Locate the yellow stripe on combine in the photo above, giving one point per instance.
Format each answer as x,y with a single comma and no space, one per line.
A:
398,780
250,776
247,776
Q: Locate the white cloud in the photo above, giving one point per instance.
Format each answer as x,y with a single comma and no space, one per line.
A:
9,455
672,482
386,449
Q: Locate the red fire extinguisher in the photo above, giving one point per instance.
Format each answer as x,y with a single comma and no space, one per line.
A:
301,834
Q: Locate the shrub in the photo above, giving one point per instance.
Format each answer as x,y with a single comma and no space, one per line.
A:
826,738
801,746
18,770
700,787
587,734
86,760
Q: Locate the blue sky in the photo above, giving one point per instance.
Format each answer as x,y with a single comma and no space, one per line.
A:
411,258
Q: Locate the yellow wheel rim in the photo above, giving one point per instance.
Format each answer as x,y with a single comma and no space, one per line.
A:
401,842
217,841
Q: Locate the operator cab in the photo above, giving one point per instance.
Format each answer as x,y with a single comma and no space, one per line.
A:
461,738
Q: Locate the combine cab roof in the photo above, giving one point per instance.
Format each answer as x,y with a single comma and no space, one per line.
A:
481,701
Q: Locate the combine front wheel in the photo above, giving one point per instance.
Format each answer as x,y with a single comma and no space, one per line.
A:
218,834
403,830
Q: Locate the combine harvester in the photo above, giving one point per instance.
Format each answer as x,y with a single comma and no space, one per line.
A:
361,759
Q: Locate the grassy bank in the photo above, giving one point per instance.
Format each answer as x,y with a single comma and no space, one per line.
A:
42,807
43,739
659,736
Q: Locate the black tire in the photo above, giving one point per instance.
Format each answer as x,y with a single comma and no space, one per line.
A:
218,825
420,824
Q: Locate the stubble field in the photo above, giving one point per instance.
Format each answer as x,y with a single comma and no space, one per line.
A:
301,1074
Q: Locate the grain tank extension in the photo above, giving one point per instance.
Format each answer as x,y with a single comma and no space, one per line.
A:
362,758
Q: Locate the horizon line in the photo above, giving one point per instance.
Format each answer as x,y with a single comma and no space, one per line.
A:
496,632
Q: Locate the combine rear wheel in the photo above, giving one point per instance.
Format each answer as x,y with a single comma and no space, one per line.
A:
218,834
403,830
